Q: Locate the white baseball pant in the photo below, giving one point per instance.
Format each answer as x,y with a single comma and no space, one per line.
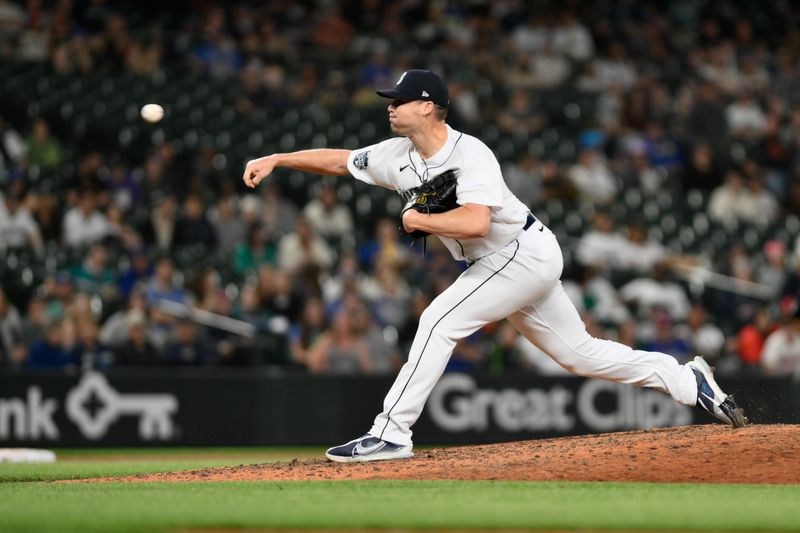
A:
520,282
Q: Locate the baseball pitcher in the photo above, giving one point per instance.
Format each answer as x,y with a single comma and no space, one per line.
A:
455,190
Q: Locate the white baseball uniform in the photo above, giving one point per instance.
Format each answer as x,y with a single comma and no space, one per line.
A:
514,273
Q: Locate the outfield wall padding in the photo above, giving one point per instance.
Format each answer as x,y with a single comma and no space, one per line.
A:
219,407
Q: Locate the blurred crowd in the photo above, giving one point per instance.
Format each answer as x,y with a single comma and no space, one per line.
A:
687,96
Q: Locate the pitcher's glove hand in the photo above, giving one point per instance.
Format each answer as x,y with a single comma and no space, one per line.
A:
437,195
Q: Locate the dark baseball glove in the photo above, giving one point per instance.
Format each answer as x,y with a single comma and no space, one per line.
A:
437,195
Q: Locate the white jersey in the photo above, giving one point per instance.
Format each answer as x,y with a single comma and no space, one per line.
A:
396,165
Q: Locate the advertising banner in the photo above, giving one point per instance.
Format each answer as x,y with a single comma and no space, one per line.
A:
221,408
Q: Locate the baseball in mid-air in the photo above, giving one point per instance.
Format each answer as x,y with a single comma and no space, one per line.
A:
152,113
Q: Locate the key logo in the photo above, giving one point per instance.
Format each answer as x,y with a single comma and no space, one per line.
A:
154,410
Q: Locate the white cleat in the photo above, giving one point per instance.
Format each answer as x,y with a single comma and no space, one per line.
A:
368,448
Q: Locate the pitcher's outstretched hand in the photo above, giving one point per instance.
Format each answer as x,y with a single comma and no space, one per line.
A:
257,170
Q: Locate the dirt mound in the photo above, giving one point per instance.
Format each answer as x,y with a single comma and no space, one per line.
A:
702,454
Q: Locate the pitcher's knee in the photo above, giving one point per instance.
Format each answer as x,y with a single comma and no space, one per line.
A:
576,360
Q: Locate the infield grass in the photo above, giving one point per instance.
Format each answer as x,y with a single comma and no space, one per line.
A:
397,505
90,463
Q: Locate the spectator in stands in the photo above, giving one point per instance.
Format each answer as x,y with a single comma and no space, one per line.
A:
773,271
192,227
639,173
505,353
91,353
385,246
532,35
615,68
278,294
303,248
759,206
520,117
592,177
229,228
549,69
120,233
279,214
159,230
333,31
137,269
217,54
87,177
340,350
727,202
721,68
162,285
666,339
114,330
640,254
571,38
328,217
706,121
305,333
657,290
18,229
53,349
703,337
347,278
204,287
188,346
555,184
124,190
745,118
137,350
12,348
93,276
43,150
85,224
597,295
601,246
381,341
781,354
702,170
751,338
388,295
255,252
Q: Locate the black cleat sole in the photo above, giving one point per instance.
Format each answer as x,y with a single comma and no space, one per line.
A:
734,412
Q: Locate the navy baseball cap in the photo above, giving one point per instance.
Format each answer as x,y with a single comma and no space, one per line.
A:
419,85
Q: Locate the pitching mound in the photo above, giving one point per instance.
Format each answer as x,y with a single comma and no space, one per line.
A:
703,454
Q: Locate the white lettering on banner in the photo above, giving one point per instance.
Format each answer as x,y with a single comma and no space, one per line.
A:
511,409
33,419
457,405
154,410
636,408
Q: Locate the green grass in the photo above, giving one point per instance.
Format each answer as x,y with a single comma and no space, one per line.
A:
28,504
78,464
122,507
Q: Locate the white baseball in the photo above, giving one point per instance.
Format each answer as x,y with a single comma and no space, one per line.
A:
152,112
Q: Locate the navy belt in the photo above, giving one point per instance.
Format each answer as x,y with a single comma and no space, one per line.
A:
529,222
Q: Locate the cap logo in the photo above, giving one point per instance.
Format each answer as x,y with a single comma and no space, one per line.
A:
401,78
425,94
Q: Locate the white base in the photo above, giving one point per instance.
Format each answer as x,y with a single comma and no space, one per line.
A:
26,455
